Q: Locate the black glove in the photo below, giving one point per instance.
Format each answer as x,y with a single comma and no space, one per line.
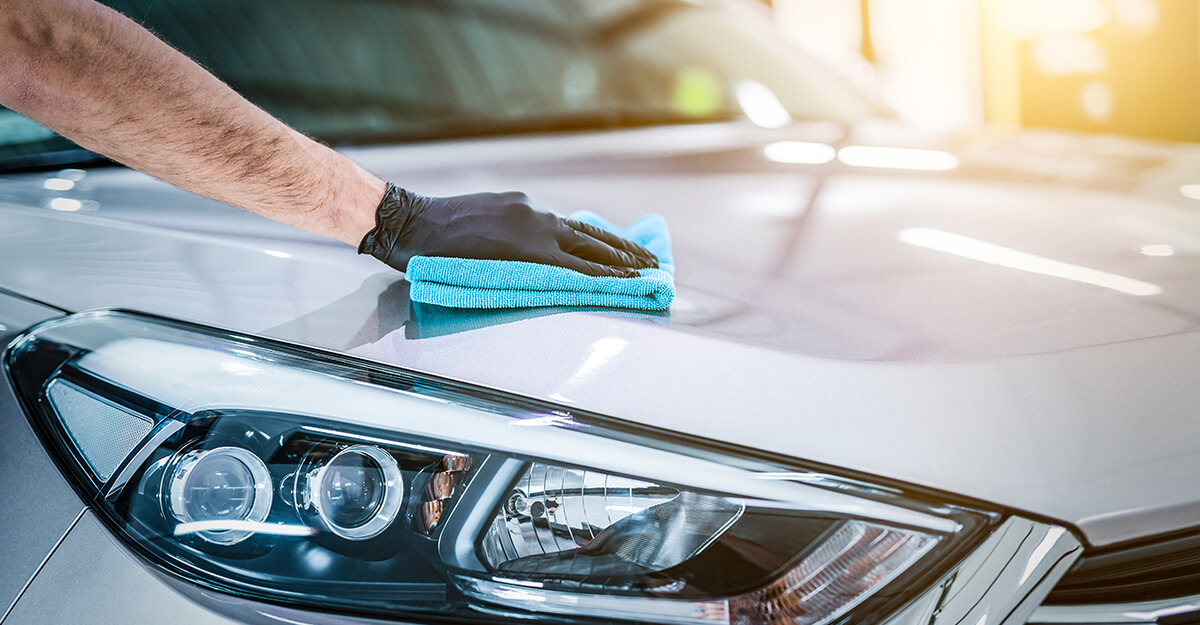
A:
495,226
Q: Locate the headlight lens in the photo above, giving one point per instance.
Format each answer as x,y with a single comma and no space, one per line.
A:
289,475
224,489
583,523
356,494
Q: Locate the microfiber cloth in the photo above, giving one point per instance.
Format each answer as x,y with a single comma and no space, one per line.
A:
471,283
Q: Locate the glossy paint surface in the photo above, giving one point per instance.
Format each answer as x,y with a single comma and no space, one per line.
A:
90,575
37,503
1019,328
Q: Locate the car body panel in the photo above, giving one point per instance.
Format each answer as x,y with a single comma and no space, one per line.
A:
804,325
90,575
39,506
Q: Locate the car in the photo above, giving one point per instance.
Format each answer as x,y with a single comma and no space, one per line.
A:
906,378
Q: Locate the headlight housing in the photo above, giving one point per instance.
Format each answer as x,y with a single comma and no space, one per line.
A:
291,475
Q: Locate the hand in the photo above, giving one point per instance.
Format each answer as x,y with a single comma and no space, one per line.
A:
495,226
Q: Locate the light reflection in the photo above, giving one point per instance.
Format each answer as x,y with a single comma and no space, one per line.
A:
800,152
1138,17
381,441
65,204
897,158
761,106
602,351
283,620
222,525
1064,56
1154,615
1061,17
318,559
74,175
545,420
626,509
698,92
519,582
518,595
58,184
277,254
1097,100
993,254
579,83
1158,249
1039,552
1191,191
790,476
238,367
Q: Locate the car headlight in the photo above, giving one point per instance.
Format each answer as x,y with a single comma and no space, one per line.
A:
291,475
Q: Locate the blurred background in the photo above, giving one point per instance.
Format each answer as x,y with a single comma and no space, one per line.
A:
1128,67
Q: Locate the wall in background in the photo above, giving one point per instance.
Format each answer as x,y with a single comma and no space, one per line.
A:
928,53
1110,66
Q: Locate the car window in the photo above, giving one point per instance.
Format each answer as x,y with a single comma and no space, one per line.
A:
362,71
26,143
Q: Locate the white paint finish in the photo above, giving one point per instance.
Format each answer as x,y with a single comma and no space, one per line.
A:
36,502
1069,435
212,268
839,344
982,251
91,579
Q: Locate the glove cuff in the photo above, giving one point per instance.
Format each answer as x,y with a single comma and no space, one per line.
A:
391,216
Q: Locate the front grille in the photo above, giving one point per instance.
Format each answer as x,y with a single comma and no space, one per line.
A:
1163,569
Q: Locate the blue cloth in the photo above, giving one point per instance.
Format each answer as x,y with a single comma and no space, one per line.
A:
470,283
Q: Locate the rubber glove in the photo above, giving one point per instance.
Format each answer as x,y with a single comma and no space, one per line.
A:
495,226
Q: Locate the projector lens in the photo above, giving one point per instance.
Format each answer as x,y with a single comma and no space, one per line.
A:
353,490
220,490
358,493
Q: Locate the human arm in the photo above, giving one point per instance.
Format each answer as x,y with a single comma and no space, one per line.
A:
101,80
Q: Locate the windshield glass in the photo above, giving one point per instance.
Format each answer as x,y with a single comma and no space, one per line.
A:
366,71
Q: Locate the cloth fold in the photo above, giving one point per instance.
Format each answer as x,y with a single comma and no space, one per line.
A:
471,283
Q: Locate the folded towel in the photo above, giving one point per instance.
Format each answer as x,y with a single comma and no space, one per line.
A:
471,283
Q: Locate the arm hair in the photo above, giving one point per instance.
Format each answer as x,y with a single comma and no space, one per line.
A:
99,79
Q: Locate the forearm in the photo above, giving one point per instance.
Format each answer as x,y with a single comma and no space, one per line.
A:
100,80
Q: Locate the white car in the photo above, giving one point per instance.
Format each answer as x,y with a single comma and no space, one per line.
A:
906,380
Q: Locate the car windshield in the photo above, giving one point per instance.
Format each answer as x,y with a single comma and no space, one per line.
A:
371,71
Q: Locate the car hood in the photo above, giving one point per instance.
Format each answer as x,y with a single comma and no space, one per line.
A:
1020,329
